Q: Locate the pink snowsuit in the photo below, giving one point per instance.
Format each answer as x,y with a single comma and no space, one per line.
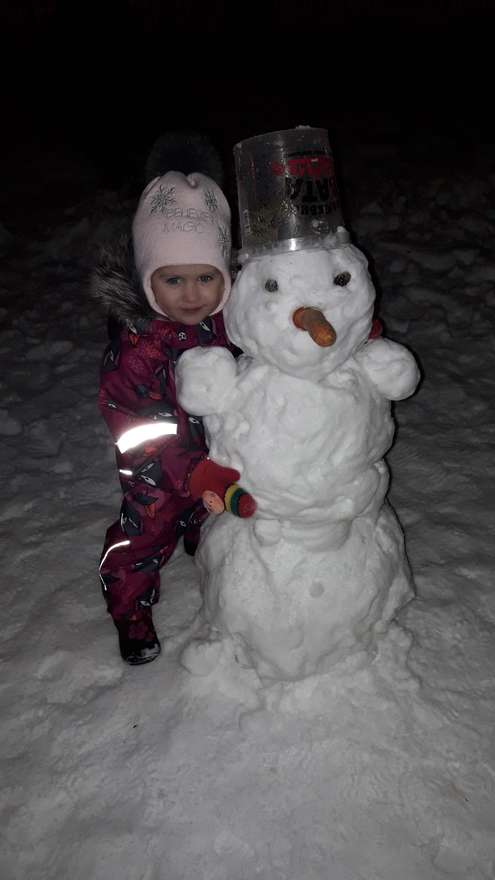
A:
137,389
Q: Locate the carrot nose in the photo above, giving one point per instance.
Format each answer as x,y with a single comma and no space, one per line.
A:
314,321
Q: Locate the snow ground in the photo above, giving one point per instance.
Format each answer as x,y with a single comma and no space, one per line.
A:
381,770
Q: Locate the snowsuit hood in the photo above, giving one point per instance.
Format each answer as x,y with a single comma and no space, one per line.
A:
115,285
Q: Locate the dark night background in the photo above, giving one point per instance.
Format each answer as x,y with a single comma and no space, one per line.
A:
87,87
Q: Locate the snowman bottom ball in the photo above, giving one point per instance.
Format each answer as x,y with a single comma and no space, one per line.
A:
292,610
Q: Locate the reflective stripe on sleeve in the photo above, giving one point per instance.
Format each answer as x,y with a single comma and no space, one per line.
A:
135,436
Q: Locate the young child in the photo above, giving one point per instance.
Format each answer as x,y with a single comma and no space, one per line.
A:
166,293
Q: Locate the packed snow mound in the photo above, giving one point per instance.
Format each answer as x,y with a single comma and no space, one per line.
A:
320,570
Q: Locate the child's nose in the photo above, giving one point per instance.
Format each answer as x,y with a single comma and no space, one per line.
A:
191,291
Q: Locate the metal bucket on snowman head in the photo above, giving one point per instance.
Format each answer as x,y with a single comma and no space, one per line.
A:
288,197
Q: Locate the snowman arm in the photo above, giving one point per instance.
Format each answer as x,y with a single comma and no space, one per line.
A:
205,379
390,367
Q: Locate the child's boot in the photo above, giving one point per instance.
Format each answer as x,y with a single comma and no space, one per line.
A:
138,641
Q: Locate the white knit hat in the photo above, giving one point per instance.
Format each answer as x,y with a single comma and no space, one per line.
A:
180,221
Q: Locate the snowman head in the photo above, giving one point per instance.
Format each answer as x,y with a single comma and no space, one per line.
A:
270,291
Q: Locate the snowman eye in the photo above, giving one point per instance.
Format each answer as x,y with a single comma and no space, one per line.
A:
342,279
271,285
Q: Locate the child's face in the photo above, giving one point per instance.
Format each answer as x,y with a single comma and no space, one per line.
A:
188,294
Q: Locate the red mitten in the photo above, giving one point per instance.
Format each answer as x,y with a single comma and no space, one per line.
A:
376,329
208,477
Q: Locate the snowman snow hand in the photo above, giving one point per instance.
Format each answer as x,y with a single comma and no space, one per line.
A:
205,379
390,367
217,486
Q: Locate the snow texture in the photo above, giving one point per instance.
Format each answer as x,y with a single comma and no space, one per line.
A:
320,569
372,771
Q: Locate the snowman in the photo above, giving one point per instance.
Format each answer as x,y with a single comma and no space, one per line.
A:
305,415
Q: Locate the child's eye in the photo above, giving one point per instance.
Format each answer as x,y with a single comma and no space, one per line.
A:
173,280
205,279
342,279
271,285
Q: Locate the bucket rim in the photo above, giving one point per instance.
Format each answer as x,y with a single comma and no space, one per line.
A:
331,241
280,132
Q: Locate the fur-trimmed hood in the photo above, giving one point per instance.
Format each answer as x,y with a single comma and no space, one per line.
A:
116,285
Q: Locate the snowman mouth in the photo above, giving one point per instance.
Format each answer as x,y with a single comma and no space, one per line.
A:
315,323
